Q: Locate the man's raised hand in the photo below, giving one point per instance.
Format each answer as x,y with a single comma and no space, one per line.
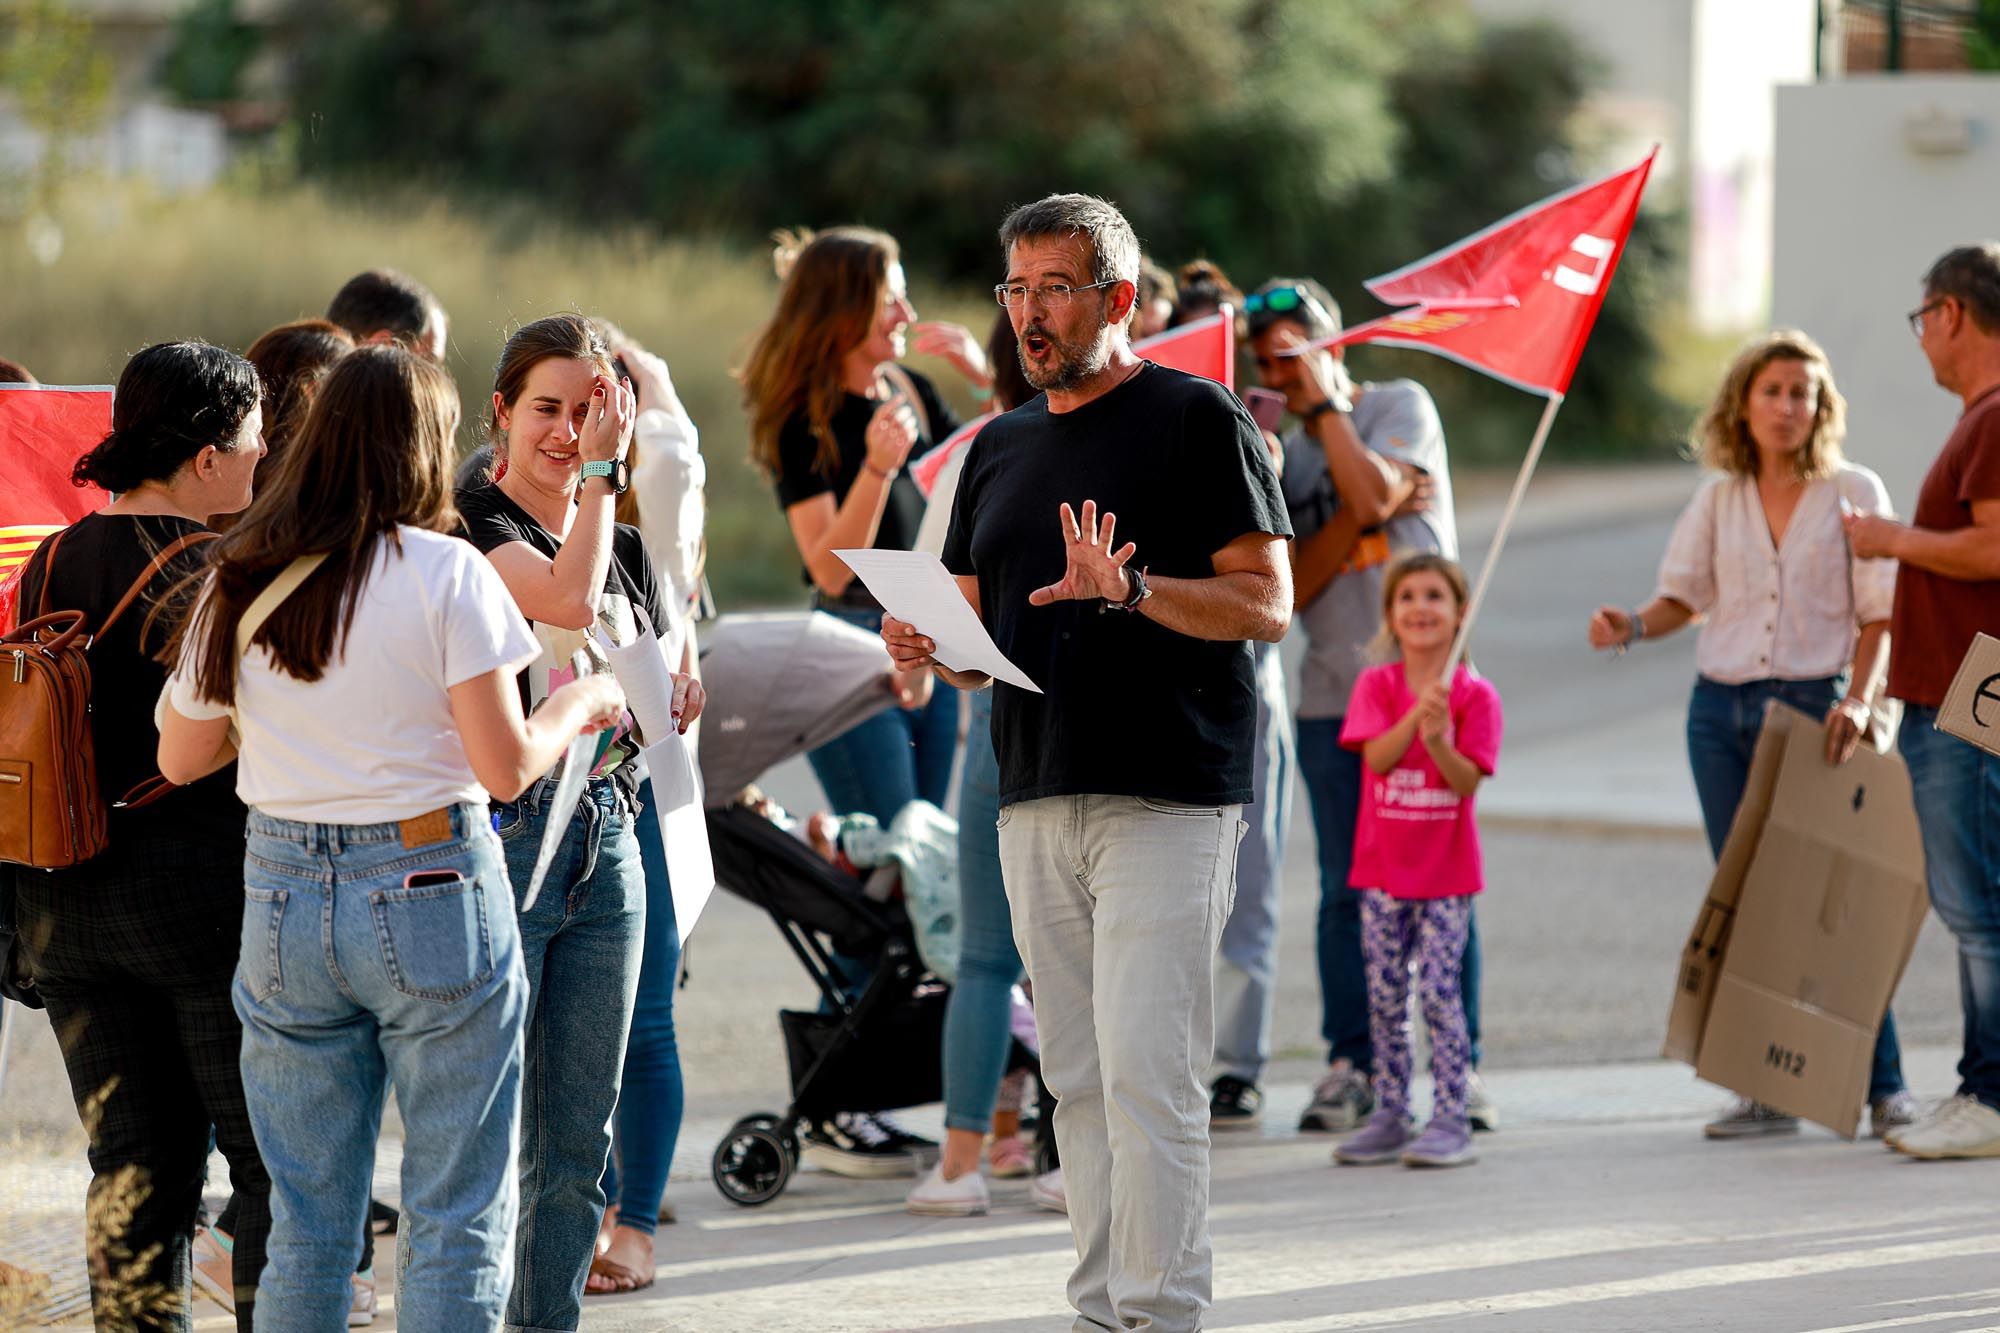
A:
1095,568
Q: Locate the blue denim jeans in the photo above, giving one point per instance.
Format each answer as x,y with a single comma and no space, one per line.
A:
651,1099
1958,804
893,758
1246,975
581,943
350,980
976,1015
1333,789
1722,728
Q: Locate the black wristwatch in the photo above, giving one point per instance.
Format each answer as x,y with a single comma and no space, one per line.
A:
1140,592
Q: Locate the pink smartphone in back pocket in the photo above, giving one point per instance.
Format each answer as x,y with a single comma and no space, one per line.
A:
1267,407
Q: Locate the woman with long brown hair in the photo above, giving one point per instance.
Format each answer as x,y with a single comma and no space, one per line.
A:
834,420
366,658
1788,614
561,427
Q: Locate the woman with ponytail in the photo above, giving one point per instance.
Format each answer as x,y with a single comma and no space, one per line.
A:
134,949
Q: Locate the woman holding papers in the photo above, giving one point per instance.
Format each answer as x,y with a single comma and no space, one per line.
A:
561,426
1788,614
376,706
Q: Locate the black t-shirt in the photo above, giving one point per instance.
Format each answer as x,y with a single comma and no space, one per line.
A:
1131,708
800,479
98,559
491,521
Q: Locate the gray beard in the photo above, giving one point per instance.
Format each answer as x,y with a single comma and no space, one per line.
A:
1074,364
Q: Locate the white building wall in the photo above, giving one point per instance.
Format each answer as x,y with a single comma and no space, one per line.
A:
1860,214
1743,51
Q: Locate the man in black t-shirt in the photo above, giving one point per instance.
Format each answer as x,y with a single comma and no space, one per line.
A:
1122,538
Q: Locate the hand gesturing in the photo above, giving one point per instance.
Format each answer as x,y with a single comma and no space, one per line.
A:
1095,568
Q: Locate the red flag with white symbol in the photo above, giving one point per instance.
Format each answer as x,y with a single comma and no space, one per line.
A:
43,431
1518,299
1205,347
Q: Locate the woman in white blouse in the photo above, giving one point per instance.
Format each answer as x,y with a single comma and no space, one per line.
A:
1788,614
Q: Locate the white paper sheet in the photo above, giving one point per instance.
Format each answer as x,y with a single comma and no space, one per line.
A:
914,586
683,828
562,805
645,673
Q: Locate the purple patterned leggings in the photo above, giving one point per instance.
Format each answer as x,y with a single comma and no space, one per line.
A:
1429,933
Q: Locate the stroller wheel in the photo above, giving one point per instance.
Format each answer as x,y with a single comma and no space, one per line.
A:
773,1123
752,1165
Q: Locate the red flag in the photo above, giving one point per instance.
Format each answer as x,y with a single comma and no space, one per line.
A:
43,431
925,470
1206,347
1518,299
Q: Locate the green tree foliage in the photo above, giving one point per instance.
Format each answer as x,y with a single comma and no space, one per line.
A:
1333,137
1982,38
211,49
59,80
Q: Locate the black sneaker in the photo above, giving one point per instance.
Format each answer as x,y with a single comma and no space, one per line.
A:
1234,1104
915,1144
852,1145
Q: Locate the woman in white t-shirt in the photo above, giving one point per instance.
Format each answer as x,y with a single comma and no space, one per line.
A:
377,710
1788,614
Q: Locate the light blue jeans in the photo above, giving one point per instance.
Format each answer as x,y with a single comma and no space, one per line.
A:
352,979
581,944
977,1013
1246,974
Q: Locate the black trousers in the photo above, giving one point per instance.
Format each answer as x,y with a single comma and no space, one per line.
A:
135,951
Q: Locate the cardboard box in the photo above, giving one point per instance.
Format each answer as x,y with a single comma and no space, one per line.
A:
1971,708
1807,927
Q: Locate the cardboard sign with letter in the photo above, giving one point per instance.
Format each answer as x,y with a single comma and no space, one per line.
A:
1809,921
1971,709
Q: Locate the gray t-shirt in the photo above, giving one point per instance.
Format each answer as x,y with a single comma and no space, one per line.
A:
1398,420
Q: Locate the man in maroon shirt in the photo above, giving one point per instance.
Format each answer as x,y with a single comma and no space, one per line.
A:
1947,590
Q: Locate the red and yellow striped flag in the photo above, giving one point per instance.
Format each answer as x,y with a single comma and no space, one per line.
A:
43,431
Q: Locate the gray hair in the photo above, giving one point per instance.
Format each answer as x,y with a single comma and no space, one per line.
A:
1114,246
1971,274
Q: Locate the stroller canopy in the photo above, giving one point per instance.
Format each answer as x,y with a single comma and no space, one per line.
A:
779,685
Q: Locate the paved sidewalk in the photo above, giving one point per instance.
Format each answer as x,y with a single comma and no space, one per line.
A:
1598,1206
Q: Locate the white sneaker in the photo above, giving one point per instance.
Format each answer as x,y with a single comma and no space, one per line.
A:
1962,1127
361,1312
935,1196
1047,1192
1480,1111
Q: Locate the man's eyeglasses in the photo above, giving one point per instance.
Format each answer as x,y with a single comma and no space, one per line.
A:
1053,296
1916,317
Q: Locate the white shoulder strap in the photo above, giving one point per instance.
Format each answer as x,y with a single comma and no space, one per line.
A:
267,601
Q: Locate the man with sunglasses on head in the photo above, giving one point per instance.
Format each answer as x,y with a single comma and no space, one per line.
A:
1122,538
1947,590
1365,480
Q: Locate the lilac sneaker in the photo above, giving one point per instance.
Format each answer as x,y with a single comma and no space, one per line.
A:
1379,1141
1446,1141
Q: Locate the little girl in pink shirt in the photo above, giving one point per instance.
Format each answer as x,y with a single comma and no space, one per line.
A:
1417,864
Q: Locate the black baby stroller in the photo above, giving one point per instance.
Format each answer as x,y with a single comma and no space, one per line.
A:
779,685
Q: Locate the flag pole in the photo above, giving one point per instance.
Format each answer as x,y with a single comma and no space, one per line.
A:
1500,535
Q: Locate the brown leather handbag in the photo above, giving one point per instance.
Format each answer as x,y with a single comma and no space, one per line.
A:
51,813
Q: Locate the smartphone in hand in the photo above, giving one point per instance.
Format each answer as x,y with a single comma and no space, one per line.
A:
1267,407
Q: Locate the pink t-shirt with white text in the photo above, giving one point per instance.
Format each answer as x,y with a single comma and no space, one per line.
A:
1416,837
